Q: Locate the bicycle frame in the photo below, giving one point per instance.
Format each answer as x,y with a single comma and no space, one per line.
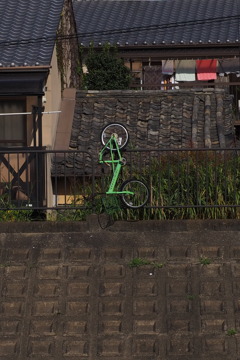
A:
116,163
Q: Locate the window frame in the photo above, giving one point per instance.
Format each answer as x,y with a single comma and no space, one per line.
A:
15,143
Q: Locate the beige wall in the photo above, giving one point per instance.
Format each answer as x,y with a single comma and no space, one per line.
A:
51,102
31,100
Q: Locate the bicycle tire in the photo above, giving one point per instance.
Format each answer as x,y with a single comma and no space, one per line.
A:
119,130
140,196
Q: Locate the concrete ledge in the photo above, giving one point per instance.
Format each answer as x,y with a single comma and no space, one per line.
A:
92,225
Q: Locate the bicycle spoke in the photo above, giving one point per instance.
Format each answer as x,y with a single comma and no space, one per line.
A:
138,194
120,133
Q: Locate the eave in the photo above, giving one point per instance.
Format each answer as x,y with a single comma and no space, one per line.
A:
23,81
178,52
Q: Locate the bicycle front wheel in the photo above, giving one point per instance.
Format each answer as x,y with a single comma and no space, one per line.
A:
118,130
139,194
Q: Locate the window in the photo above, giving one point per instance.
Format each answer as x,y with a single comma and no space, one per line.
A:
12,127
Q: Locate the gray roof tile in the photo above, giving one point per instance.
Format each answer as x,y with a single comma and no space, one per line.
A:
178,21
23,27
154,119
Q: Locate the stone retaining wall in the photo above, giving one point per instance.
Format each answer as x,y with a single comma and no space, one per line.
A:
68,291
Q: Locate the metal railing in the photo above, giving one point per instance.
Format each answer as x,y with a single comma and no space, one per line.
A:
186,180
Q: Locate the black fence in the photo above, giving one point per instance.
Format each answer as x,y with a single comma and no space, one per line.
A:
183,183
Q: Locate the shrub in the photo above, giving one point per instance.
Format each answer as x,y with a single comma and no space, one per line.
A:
105,70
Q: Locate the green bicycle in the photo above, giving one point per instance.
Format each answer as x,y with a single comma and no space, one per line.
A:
133,193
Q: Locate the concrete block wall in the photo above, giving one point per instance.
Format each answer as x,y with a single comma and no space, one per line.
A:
67,290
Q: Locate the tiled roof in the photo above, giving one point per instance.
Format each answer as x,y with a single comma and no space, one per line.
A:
158,22
28,30
154,119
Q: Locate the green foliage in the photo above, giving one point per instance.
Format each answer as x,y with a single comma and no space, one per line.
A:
10,212
137,262
190,185
105,70
186,185
15,215
205,261
111,204
231,332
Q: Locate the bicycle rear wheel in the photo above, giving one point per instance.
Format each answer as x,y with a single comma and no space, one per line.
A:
120,132
140,195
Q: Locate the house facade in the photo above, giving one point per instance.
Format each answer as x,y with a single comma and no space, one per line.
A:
168,44
34,71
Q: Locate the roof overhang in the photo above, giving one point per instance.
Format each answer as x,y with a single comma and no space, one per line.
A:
177,52
181,52
23,81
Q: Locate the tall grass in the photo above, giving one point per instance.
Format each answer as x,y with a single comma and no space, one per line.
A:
183,185
191,185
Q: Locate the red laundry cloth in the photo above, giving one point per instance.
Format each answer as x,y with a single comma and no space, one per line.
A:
206,69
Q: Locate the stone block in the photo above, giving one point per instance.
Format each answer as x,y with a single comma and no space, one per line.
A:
49,272
44,308
78,289
212,270
111,307
46,289
215,345
112,289
113,271
145,288
144,347
16,271
235,252
212,288
42,328
178,270
179,325
145,326
75,328
10,327
109,327
81,254
14,289
235,269
212,306
12,308
75,348
9,347
18,255
77,308
51,254
145,307
175,252
179,306
178,287
110,347
78,271
213,325
149,253
41,347
211,252
113,254
179,346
